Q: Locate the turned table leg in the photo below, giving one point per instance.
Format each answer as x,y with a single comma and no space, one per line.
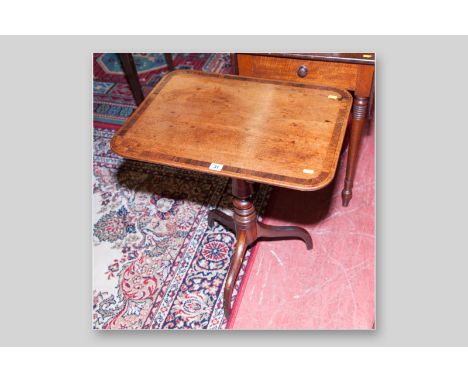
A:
236,263
284,232
245,220
359,118
248,230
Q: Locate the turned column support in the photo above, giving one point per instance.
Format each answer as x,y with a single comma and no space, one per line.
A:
245,217
248,230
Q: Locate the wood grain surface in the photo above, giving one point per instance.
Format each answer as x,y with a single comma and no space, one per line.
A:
342,75
267,131
349,58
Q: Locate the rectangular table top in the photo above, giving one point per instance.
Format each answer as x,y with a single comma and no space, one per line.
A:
274,132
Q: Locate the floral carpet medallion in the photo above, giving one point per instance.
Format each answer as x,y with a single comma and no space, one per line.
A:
156,263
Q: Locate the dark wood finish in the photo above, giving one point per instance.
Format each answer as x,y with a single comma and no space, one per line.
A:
364,87
131,74
371,106
234,65
221,217
359,118
169,62
283,134
353,71
248,231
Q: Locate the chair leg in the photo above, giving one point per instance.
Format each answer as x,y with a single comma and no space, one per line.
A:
284,232
131,74
169,62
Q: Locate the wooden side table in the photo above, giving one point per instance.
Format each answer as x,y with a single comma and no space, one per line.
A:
251,130
351,71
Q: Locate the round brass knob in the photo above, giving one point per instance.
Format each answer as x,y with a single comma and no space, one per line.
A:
302,71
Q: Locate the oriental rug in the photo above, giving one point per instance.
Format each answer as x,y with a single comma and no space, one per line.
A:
156,263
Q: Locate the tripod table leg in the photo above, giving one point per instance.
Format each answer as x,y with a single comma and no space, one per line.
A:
284,232
221,217
233,271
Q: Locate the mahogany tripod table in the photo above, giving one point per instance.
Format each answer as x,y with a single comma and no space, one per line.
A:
252,130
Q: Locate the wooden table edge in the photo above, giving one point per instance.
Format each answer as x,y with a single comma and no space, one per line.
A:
327,176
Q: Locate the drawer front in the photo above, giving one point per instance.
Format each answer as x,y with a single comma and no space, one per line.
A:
341,75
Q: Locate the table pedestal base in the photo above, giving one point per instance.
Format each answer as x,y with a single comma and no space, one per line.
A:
248,230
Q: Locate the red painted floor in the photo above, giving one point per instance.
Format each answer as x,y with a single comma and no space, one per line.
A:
330,287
